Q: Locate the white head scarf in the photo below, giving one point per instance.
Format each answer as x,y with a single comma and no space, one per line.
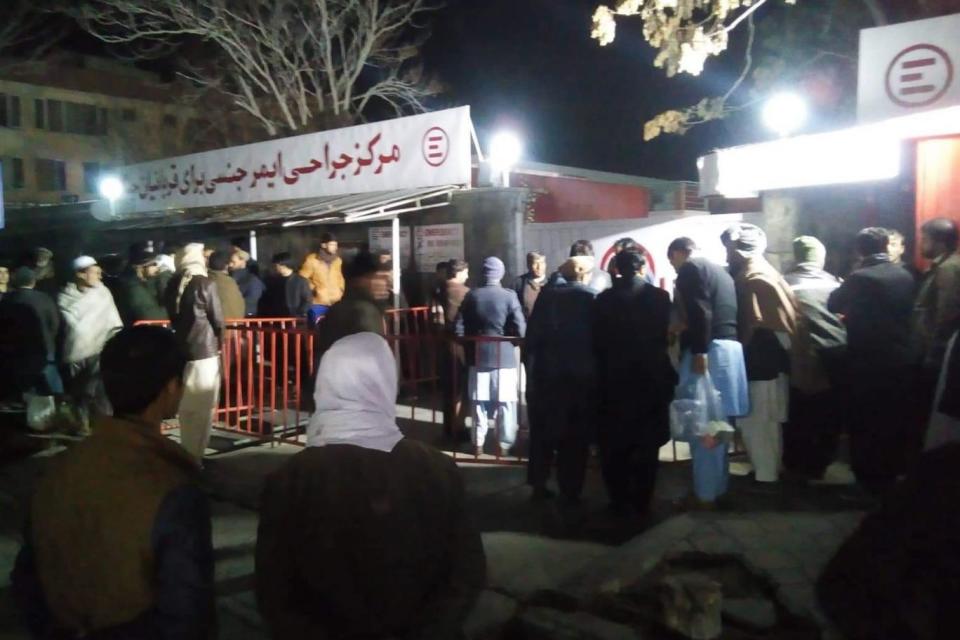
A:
356,395
190,262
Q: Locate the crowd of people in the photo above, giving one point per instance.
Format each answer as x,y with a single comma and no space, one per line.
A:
364,533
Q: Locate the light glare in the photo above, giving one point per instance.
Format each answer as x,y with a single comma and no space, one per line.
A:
505,150
785,113
111,188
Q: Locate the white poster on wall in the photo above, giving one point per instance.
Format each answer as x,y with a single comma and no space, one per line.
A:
381,241
437,243
426,150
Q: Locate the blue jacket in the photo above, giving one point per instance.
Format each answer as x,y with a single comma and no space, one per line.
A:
491,310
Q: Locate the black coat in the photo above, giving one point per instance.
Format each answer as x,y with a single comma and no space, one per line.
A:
491,310
251,287
636,378
29,323
286,297
709,298
877,304
560,336
198,323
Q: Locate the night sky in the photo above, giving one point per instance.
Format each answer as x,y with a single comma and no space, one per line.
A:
531,65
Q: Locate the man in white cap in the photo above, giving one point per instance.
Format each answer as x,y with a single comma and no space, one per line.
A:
90,318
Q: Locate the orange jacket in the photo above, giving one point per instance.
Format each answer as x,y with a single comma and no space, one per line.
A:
326,280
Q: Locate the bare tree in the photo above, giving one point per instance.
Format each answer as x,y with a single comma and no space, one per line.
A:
293,65
26,30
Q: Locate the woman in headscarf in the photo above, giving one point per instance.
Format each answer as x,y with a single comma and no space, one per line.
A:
364,533
197,319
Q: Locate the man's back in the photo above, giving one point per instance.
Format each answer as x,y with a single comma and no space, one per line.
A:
365,543
492,311
356,312
560,333
196,315
877,303
29,322
709,297
630,324
99,525
231,298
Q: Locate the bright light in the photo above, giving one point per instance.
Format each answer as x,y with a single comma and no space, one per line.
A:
785,113
505,150
111,188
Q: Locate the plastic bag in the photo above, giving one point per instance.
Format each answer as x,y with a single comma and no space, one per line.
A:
40,411
697,411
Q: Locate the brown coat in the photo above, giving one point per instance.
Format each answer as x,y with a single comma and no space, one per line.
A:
231,300
938,308
357,542
326,279
764,301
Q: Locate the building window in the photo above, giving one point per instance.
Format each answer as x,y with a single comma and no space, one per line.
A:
9,111
12,173
91,176
71,117
169,120
51,175
54,115
128,115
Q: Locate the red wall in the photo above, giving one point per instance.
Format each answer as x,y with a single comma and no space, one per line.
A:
938,181
560,199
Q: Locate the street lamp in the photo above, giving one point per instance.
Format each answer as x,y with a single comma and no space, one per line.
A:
785,113
111,189
505,152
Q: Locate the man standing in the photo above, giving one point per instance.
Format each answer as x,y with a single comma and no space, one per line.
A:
599,279
360,309
197,320
635,381
876,302
452,360
706,302
119,543
324,271
816,357
492,311
529,285
232,304
766,324
288,293
251,286
937,307
90,317
136,291
29,322
562,382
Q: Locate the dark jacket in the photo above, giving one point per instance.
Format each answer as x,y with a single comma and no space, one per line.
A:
491,310
120,543
950,398
356,312
231,300
708,299
137,300
895,577
198,322
635,376
559,340
528,290
937,309
360,543
599,280
251,287
29,323
876,302
286,297
821,341
451,298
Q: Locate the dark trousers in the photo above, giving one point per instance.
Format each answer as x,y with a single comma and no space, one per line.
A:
812,432
570,453
453,386
629,472
882,420
85,385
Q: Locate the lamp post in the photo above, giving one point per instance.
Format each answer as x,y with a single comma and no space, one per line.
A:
111,188
505,152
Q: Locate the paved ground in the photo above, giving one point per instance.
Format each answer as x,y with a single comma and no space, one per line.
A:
789,529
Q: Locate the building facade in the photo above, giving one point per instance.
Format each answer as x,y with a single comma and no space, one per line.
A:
66,120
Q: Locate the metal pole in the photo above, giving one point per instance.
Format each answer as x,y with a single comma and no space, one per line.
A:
395,256
253,244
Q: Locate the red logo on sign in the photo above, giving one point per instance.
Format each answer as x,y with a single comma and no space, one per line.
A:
611,252
919,76
436,146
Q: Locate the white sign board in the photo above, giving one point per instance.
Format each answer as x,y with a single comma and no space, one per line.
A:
909,67
437,243
427,150
381,241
